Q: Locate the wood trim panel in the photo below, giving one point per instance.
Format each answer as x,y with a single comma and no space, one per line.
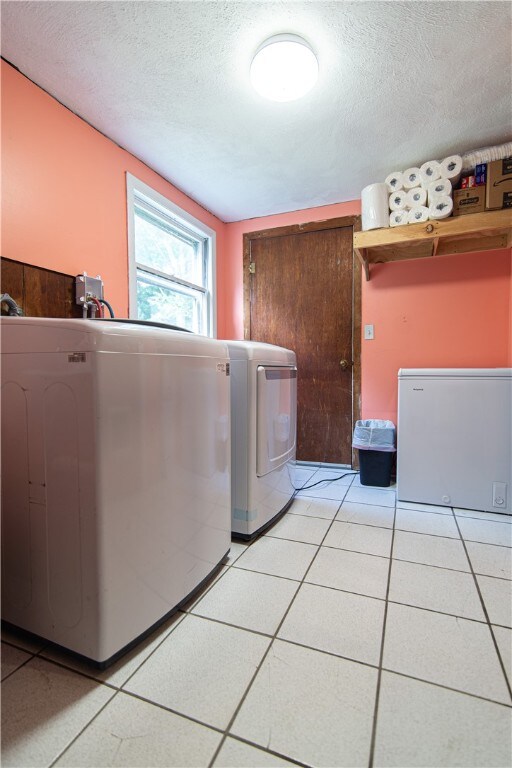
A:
12,280
39,292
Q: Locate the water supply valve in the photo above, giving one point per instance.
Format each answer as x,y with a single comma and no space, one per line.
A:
86,289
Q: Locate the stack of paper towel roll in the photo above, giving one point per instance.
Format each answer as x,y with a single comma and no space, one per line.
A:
420,194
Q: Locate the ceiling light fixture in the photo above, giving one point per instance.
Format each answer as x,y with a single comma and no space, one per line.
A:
284,68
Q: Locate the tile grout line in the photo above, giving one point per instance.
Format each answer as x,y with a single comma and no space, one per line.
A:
507,519
485,520
459,691
444,567
12,642
399,559
120,689
360,661
194,610
216,729
213,728
449,515
272,752
381,655
486,614
9,674
191,611
451,538
487,543
33,655
116,689
90,676
261,633
89,722
274,637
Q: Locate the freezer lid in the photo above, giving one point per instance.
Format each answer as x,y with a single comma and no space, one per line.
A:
455,373
45,335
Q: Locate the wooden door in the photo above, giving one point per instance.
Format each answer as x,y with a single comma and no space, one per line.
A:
300,295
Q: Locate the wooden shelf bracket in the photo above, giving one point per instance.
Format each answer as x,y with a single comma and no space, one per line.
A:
458,234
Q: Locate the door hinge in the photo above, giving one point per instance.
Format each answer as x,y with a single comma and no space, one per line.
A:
252,268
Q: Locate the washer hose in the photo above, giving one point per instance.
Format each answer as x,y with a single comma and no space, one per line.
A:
14,309
108,306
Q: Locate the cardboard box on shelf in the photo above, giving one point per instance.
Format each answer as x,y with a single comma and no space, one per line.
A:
499,185
467,182
470,200
481,174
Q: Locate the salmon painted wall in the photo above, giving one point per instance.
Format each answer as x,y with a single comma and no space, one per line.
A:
64,208
451,311
64,192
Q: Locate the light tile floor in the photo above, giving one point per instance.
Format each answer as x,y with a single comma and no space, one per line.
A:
356,632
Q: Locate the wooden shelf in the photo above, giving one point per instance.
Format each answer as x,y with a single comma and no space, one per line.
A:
457,234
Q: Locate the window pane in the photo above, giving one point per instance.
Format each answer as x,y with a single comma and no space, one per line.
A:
157,246
164,302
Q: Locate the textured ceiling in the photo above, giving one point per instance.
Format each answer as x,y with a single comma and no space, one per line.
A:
400,83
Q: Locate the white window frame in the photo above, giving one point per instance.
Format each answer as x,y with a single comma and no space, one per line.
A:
138,190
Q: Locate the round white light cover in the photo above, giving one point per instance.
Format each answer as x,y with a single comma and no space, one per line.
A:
284,68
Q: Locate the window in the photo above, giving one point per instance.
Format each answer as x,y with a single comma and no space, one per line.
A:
171,258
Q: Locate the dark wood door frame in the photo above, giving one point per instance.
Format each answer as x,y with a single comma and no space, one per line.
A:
314,226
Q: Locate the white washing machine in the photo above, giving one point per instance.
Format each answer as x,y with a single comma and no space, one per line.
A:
116,477
263,434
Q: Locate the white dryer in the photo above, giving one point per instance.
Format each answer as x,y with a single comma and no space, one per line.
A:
263,434
116,477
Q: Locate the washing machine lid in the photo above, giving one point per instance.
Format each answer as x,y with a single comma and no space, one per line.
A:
261,352
276,418
144,323
44,335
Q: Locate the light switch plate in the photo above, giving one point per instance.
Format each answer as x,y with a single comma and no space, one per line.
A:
368,331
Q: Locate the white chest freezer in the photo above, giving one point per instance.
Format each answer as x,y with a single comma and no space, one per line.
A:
116,477
264,427
454,437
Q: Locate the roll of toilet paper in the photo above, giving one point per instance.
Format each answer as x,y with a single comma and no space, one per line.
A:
395,181
416,197
451,168
412,178
398,218
418,215
374,207
398,200
429,172
441,208
439,188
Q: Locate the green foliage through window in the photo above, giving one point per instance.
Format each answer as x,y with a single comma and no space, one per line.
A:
163,303
160,246
171,271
